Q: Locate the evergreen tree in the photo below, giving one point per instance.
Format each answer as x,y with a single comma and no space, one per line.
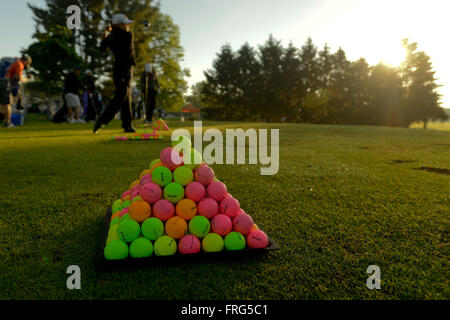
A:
220,88
309,84
358,92
387,93
271,79
291,83
247,82
422,99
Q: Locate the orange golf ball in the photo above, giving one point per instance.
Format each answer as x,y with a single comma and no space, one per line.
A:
143,173
140,210
115,214
186,209
134,183
176,227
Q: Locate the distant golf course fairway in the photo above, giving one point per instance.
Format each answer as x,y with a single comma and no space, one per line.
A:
344,198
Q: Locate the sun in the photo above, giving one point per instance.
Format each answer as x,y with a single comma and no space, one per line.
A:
393,56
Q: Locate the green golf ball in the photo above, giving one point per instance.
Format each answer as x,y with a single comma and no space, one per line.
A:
141,248
125,204
152,228
114,221
113,229
165,246
162,176
113,234
183,175
129,230
194,160
116,205
199,226
116,250
174,192
234,241
124,217
212,243
137,198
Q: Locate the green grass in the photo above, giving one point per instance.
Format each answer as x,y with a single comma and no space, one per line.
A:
344,198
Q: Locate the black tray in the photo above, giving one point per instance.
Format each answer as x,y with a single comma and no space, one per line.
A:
102,262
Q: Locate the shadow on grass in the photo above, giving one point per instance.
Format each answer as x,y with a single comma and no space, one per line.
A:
398,161
434,170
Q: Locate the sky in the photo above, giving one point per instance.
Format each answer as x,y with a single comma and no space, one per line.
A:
372,29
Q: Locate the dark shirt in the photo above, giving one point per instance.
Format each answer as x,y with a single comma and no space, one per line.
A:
121,43
90,84
152,82
72,84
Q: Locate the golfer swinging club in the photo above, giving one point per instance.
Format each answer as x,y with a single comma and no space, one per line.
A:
121,41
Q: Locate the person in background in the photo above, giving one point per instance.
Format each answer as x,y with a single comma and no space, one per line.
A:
150,89
136,102
121,42
10,86
72,88
93,104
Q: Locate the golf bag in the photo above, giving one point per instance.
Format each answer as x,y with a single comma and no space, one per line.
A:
61,115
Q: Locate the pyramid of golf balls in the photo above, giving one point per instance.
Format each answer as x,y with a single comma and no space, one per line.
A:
175,208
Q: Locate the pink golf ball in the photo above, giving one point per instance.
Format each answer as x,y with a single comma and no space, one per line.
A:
257,239
227,195
195,191
189,244
151,192
134,194
170,158
208,208
221,224
124,211
243,223
163,210
216,190
230,207
146,179
126,193
164,151
204,174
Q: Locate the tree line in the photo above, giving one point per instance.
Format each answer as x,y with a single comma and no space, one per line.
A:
277,83
56,49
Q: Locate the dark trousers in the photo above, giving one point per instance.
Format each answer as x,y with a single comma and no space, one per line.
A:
150,105
121,101
92,107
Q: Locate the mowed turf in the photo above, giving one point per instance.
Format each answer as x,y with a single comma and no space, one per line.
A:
344,198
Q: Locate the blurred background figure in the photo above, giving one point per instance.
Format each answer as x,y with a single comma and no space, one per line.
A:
93,104
120,40
136,102
149,89
14,74
11,90
72,88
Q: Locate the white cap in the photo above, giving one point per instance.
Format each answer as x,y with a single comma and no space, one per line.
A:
120,18
148,67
